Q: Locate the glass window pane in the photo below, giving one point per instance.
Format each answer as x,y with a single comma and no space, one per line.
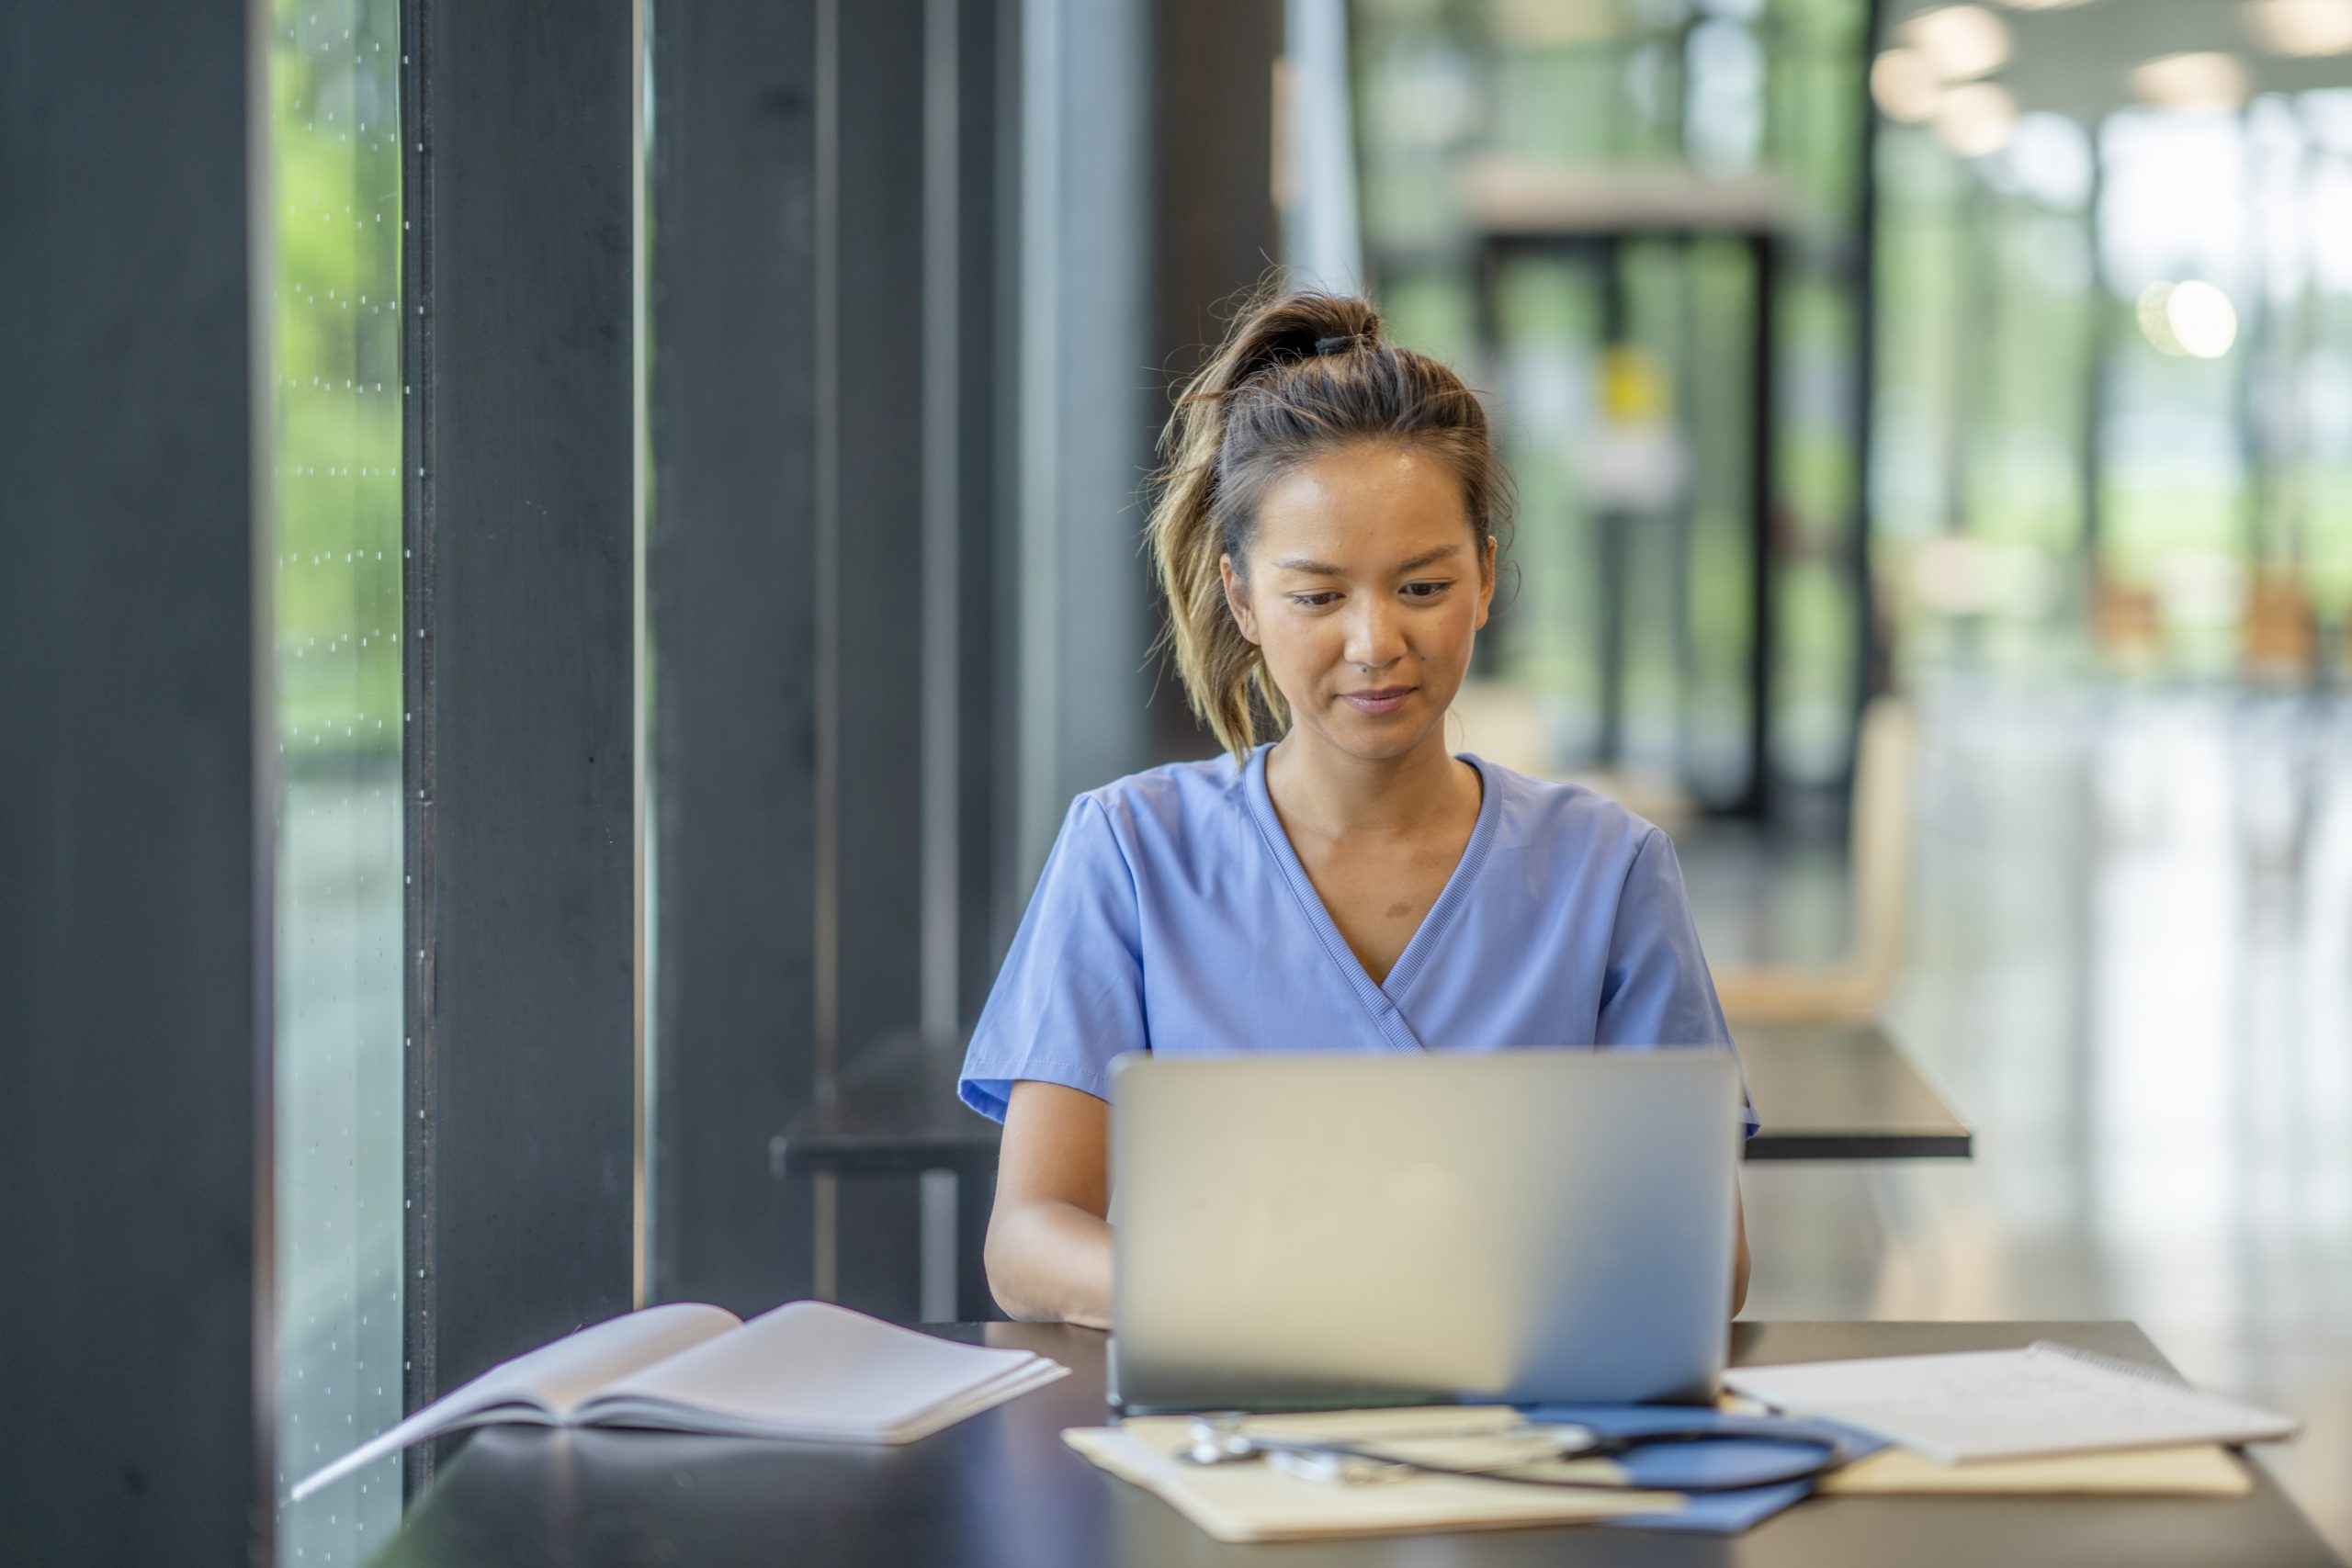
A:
335,147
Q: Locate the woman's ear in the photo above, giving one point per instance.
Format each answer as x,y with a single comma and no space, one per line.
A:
1486,584
1237,599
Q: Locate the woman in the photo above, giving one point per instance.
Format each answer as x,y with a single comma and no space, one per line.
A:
1326,531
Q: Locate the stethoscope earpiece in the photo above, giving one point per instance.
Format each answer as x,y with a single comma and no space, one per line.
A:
1218,1440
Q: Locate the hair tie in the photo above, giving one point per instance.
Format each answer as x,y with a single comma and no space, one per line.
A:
1339,344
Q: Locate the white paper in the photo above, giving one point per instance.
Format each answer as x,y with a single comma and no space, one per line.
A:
2007,1404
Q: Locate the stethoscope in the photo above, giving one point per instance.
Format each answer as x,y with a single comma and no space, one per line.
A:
1219,1439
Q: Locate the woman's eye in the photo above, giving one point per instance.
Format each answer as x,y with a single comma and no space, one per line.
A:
1314,600
1425,590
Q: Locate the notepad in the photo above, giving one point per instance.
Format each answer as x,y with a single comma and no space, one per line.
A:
807,1371
1252,1502
1994,1405
2206,1470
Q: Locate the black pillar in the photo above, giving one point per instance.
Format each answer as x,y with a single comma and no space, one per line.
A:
1874,674
733,606
134,847
519,765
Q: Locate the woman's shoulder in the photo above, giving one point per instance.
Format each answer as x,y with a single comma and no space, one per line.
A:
1539,813
1168,797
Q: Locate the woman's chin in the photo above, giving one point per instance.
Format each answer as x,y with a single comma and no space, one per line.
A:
1379,738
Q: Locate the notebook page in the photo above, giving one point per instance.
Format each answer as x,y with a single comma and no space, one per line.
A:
575,1367
815,1368
666,1416
2007,1404
545,1384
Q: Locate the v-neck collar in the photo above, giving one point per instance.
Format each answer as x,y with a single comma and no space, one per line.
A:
1379,997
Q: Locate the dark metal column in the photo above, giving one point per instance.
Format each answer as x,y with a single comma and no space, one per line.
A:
134,846
1612,526
1764,513
519,751
988,374
1873,674
732,606
872,746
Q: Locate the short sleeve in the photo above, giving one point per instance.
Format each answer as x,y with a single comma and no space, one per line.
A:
1656,989
1069,996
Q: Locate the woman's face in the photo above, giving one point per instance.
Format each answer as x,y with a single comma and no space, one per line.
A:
1364,588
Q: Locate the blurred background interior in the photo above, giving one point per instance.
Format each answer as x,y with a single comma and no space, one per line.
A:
1933,429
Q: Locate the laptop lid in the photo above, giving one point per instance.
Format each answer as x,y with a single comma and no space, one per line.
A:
1292,1232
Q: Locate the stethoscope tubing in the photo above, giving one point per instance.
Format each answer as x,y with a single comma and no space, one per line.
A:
1831,1450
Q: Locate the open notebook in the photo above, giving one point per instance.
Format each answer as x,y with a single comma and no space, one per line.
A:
807,1371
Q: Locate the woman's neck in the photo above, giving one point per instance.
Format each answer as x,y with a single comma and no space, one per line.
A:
1328,792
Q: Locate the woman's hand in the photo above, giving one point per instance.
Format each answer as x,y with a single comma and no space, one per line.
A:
1049,1243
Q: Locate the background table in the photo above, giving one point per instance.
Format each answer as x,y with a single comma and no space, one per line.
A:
1834,1092
1837,1092
1001,1489
1843,1092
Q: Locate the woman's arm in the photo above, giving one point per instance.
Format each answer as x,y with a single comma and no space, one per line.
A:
1049,1244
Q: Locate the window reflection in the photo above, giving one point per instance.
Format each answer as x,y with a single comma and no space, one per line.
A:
334,150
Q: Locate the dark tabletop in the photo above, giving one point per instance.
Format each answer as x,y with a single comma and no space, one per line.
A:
1843,1092
1838,1091
1001,1489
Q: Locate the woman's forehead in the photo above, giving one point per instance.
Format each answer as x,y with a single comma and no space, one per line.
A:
1362,506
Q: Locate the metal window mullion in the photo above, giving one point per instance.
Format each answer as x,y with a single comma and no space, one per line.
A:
519,768
419,1382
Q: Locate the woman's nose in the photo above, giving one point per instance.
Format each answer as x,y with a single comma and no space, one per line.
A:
1374,637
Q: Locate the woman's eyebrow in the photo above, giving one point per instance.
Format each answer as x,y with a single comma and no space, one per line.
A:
1325,569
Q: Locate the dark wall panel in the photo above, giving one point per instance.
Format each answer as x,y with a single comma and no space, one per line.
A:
133,911
875,382
520,761
733,591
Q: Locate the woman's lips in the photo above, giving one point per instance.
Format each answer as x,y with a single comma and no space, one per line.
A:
1380,699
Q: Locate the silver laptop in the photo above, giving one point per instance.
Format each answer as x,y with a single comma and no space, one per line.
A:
1332,1231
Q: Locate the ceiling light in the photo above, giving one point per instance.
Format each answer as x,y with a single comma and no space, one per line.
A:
1960,41
2201,83
1905,84
1976,120
2305,27
2195,319
2203,320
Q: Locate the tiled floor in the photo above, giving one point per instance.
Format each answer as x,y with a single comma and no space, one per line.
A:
2132,969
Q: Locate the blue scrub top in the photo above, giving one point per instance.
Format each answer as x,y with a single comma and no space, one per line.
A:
1173,916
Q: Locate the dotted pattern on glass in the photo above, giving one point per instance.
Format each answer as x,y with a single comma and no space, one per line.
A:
335,145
